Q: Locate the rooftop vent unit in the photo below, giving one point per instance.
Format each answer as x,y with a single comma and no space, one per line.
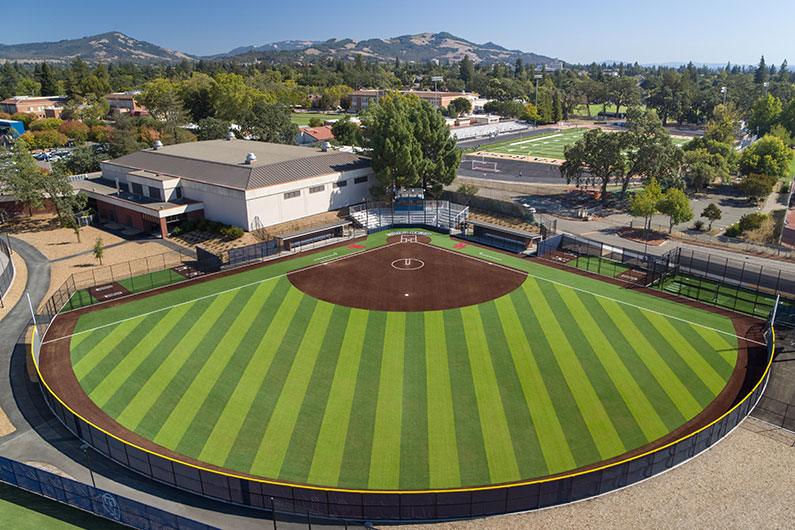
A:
251,158
158,145
230,136
325,146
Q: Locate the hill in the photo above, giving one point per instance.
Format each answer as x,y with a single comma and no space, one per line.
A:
424,47
107,47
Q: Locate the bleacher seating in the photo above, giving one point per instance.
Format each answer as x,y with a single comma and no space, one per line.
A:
477,131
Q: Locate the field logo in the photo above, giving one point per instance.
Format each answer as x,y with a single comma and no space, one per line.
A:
354,245
111,506
460,245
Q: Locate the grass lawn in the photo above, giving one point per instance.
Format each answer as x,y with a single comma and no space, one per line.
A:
22,510
303,118
543,146
249,373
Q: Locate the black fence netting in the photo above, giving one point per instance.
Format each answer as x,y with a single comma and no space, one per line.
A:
6,268
90,499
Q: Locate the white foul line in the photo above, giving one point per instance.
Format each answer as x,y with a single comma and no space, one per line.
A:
328,256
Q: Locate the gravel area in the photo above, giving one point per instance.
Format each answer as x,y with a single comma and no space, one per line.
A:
745,481
17,289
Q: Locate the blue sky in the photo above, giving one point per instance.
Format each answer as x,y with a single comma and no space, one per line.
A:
573,30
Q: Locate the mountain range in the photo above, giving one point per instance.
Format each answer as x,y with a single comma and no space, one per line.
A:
117,47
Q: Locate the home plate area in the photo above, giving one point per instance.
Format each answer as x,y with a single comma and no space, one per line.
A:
407,276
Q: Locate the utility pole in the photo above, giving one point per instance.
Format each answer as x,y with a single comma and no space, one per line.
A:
435,80
724,90
766,84
537,77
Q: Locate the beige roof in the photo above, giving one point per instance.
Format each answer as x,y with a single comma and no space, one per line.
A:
222,162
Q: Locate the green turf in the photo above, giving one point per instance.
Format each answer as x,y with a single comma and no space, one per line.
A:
736,298
22,510
249,373
303,118
600,265
136,284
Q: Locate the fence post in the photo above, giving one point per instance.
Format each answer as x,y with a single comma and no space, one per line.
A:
273,513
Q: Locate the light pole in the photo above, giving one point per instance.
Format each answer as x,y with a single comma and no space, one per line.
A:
724,90
436,79
537,77
84,447
766,84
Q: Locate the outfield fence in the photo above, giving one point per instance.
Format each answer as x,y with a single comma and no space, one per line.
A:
99,502
398,506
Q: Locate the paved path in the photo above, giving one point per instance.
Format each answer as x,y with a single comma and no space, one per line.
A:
40,437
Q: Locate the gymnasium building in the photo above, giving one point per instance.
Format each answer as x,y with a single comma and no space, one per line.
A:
237,182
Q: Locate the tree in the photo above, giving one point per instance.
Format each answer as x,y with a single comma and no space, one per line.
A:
314,121
468,189
644,203
768,156
75,130
161,98
724,126
410,144
764,113
84,159
557,108
124,138
270,123
702,168
624,91
346,132
467,71
56,185
22,178
333,96
649,150
756,186
530,113
72,224
49,86
762,74
676,206
212,129
596,156
232,99
98,250
711,212
195,93
787,117
459,106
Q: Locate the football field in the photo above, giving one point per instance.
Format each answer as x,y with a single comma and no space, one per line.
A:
251,374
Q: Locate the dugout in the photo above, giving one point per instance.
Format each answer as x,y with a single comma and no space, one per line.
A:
312,235
500,236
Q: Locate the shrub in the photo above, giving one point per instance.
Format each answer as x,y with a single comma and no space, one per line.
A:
25,117
699,225
733,231
177,231
232,232
751,221
784,188
47,124
48,139
75,130
99,133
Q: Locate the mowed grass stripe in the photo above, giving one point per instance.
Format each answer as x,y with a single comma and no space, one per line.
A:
715,352
278,316
355,468
187,409
700,365
597,419
239,357
493,422
472,459
443,464
633,399
552,440
150,391
273,447
692,380
579,440
327,458
385,451
524,439
298,460
136,355
668,379
295,320
80,345
110,345
136,378
663,405
180,380
414,426
118,350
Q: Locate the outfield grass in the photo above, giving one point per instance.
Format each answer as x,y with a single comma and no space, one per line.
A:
736,298
249,373
22,510
303,118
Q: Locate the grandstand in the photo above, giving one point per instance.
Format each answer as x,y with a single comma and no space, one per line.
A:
441,214
477,131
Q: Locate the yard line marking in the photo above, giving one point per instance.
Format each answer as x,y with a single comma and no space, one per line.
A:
490,257
536,139
231,289
628,304
328,256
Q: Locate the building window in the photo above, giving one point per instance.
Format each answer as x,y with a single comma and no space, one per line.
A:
360,180
178,192
341,184
137,189
155,193
292,194
317,189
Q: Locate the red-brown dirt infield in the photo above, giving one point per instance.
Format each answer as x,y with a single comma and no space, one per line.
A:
407,277
56,368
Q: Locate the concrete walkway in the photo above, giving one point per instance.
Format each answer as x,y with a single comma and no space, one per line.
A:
40,437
